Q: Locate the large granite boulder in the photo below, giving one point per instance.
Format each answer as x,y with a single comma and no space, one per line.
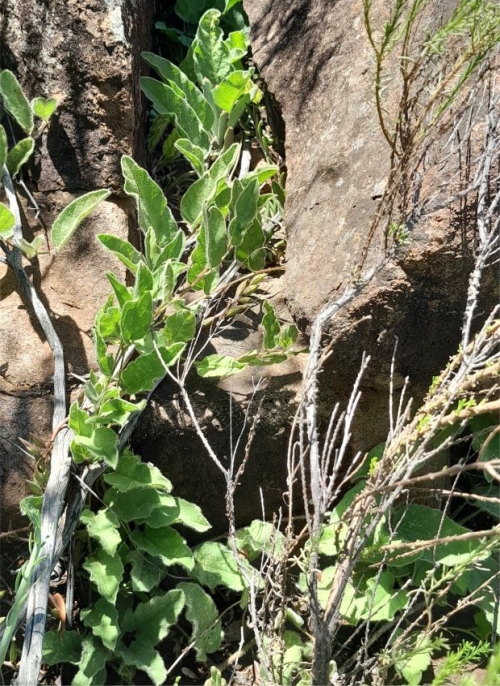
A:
316,59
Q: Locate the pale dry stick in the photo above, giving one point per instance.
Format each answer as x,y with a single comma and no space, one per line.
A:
53,500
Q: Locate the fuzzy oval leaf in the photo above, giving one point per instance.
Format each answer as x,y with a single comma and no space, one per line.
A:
63,646
142,374
103,620
125,252
138,503
136,318
171,73
210,54
180,327
191,516
227,93
145,574
142,657
103,526
102,444
219,365
44,108
192,153
7,222
19,154
151,620
71,217
166,100
131,473
154,212
215,236
166,543
106,572
216,566
15,101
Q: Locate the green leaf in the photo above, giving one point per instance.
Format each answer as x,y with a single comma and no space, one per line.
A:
7,222
65,646
3,148
245,211
199,275
106,362
153,209
210,53
117,411
78,420
107,322
71,217
216,566
143,280
191,516
19,154
413,664
103,620
204,189
106,572
218,365
137,504
171,73
166,100
204,617
125,252
192,153
151,621
421,523
30,249
170,354
145,574
44,108
180,327
190,11
166,543
237,44
141,374
136,319
292,656
92,664
382,600
144,658
258,538
252,251
103,526
131,473
215,236
227,93
15,101
288,336
102,444
271,327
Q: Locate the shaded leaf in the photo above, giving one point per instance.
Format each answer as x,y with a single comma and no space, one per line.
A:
151,620
204,617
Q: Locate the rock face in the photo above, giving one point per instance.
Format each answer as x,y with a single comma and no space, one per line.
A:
88,56
317,61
